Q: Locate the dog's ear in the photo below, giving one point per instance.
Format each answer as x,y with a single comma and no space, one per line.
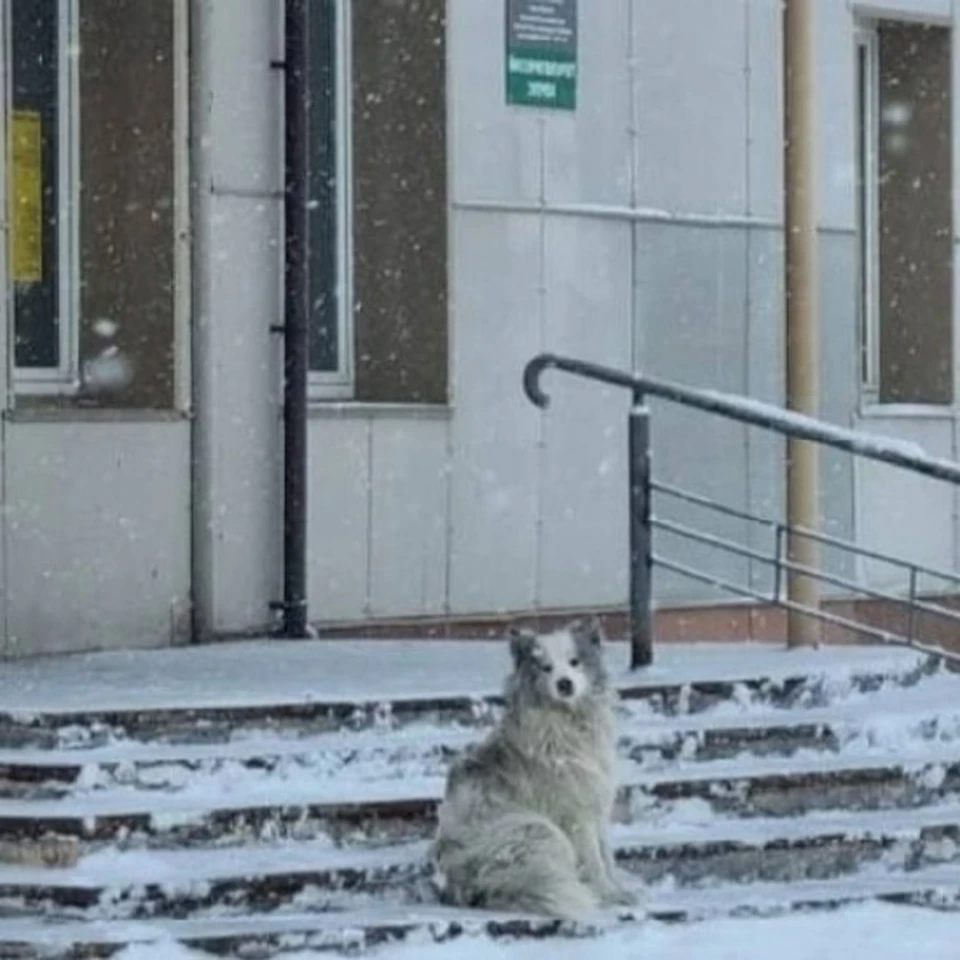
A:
590,631
522,643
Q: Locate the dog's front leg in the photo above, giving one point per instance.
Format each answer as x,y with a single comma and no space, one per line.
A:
596,862
618,892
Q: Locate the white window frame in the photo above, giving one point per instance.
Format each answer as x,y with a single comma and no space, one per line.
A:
339,384
868,212
64,378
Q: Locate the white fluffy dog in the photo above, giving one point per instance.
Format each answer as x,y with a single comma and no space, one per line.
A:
523,824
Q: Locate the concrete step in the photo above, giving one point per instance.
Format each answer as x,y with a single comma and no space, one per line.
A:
402,806
56,717
812,846
144,883
927,712
347,931
787,786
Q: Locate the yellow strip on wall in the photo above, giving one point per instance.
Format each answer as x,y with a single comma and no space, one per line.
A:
26,197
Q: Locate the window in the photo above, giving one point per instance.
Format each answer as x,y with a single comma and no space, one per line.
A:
905,197
378,219
42,192
92,200
867,207
328,221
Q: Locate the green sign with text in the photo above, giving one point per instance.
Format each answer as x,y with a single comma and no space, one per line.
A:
542,53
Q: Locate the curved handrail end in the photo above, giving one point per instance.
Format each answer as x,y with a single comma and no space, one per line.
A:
531,379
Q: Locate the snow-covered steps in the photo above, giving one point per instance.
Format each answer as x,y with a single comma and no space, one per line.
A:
832,720
926,711
273,795
195,696
172,882
414,750
812,846
403,801
783,786
271,934
145,883
268,934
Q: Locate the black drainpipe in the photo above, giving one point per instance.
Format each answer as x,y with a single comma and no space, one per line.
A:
295,330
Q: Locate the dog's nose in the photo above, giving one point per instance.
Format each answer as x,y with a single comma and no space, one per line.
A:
564,687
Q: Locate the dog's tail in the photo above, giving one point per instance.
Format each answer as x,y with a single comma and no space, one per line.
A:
519,862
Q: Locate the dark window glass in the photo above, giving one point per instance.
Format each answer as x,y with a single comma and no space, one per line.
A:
864,200
33,198
322,223
399,201
916,215
126,215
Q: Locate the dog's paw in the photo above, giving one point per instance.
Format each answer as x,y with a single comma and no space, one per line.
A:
620,896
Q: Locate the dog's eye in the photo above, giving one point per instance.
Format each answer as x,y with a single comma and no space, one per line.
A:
575,662
546,667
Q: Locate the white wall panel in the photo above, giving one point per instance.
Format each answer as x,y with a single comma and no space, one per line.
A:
691,302
496,431
690,85
98,535
836,113
338,524
237,141
765,108
496,150
584,530
588,152
765,381
408,528
239,477
244,129
903,514
839,385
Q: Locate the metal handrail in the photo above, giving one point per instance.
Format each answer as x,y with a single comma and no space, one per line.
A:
747,411
913,603
826,539
749,553
753,412
845,623
699,500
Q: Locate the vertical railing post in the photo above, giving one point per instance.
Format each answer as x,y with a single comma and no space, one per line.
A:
641,546
912,609
778,565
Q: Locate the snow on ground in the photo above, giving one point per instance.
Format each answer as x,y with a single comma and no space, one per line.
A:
158,951
877,931
251,673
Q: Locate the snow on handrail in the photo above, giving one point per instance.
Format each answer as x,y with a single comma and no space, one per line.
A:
898,453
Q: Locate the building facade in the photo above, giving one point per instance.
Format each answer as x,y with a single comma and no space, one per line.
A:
453,235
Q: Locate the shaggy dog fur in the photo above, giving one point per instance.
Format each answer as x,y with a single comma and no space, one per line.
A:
523,823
